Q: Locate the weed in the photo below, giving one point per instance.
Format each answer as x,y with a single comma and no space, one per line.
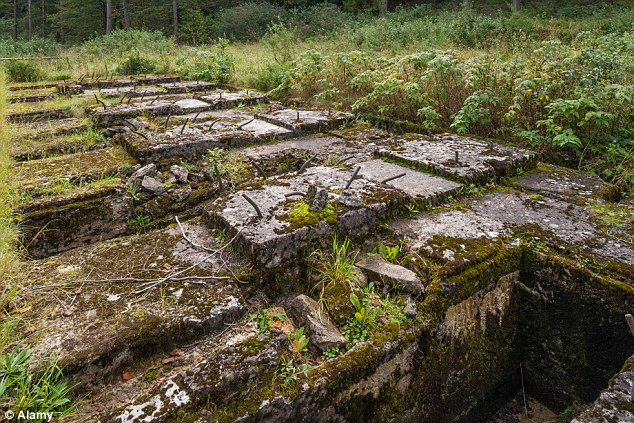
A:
330,353
289,371
262,318
388,253
139,219
232,169
298,341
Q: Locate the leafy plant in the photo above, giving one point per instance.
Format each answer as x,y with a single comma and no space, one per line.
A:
262,318
137,63
388,253
330,353
299,341
139,219
289,371
217,65
232,169
27,385
23,71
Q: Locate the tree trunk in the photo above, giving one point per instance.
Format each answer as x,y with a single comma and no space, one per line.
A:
108,16
15,19
43,19
175,16
517,4
126,14
30,18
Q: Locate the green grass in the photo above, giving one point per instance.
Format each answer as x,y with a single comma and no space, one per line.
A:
26,383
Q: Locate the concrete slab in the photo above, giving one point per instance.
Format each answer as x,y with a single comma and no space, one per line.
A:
197,138
307,120
478,161
187,87
557,223
555,180
106,320
226,99
287,229
419,185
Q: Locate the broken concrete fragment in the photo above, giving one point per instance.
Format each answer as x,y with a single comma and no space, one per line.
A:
137,177
395,276
322,333
350,199
316,199
153,185
178,174
409,307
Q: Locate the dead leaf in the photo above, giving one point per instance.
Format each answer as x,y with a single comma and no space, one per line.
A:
168,360
178,353
22,347
167,266
24,309
30,331
88,301
126,376
67,313
277,324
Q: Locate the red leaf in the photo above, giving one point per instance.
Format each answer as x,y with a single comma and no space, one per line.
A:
168,360
126,376
178,353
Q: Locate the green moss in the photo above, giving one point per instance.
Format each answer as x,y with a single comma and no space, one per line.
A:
300,215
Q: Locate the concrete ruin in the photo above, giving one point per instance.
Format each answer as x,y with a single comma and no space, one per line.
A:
185,246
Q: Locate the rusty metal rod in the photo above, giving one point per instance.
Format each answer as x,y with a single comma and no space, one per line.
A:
294,193
196,117
245,124
123,98
258,168
184,126
131,124
306,163
212,124
100,102
167,121
255,206
354,175
141,134
400,175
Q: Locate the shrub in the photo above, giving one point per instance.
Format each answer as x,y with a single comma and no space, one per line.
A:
23,71
196,28
215,66
249,21
121,43
137,63
320,19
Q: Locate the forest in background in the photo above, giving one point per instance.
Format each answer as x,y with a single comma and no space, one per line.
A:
555,76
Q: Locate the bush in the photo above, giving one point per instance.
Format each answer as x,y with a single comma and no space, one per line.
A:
573,103
137,63
214,66
249,21
321,19
23,71
120,43
196,28
34,47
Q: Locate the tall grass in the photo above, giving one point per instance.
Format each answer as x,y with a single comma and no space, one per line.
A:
8,230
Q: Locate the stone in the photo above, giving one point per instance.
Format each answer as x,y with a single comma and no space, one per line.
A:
322,333
350,199
181,195
409,307
316,199
393,275
137,177
179,174
153,185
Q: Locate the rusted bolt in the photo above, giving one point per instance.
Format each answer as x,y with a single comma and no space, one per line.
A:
306,163
400,175
354,175
258,168
255,206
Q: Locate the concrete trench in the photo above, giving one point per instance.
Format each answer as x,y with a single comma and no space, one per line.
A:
521,284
